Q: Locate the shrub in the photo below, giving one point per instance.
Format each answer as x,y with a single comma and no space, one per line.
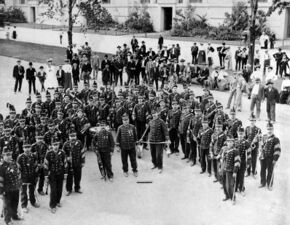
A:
13,15
139,20
188,23
97,16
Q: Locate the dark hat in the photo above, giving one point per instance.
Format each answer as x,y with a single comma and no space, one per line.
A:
197,109
50,124
241,130
233,111
55,139
28,100
102,99
252,117
218,124
223,43
80,110
30,63
174,102
58,103
37,106
204,120
118,46
41,67
26,145
103,122
140,97
6,151
269,82
74,101
230,138
270,126
219,105
125,116
95,84
47,94
182,60
72,133
49,60
18,60
60,113
86,84
38,95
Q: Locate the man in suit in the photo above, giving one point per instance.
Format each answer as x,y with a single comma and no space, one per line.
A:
173,52
272,96
175,68
194,53
143,49
134,43
160,42
30,77
18,74
278,57
165,53
60,76
222,53
151,53
238,58
257,95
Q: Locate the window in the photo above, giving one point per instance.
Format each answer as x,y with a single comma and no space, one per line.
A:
22,1
106,1
195,1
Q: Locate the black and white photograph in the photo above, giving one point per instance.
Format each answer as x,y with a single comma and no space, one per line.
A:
144,112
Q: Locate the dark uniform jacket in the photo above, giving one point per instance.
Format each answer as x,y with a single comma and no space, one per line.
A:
231,160
244,148
126,136
184,123
104,141
271,148
174,118
9,177
27,165
217,142
233,126
39,149
18,72
55,163
12,144
205,137
75,153
140,112
157,130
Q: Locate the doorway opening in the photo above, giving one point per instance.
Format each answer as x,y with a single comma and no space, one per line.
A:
167,18
33,14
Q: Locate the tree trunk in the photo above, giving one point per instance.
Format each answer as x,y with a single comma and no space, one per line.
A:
70,23
252,33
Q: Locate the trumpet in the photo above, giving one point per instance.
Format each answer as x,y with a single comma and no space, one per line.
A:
256,139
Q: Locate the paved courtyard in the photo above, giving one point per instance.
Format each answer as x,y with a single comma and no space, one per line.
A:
178,196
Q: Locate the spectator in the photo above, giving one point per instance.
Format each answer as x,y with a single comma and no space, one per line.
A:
264,41
238,58
272,41
272,96
257,74
67,68
178,51
228,60
285,90
86,70
18,75
41,74
270,75
222,53
241,84
201,59
69,53
160,42
267,61
134,43
14,33
256,95
244,56
194,53
247,72
284,65
75,73
30,77
278,57
60,76
209,53
95,62
233,91
257,58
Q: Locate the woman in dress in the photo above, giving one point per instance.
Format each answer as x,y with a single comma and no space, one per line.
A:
50,75
201,59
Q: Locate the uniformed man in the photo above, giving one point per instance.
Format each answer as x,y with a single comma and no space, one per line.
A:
55,165
252,135
270,154
173,123
157,137
126,139
10,184
21,134
210,110
119,112
27,164
183,134
81,125
195,125
75,153
49,134
40,148
10,142
231,165
220,116
104,144
218,140
204,137
243,146
233,124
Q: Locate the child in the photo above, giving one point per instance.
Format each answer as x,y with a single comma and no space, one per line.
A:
41,76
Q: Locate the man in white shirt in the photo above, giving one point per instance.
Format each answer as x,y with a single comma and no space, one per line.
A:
257,95
270,75
264,41
257,74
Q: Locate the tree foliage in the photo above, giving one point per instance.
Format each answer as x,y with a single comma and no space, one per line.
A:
13,15
139,20
278,5
97,16
238,18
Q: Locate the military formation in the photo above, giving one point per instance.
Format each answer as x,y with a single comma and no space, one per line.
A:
43,146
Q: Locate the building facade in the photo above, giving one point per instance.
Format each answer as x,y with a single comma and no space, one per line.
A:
162,12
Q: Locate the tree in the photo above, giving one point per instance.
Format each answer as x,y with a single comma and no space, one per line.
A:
58,9
279,5
252,33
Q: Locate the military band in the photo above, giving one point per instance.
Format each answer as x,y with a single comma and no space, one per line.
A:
46,143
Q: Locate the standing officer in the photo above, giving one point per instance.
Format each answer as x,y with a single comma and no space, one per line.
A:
218,141
269,156
204,137
18,75
252,135
10,184
27,163
183,127
157,135
173,123
231,164
55,171
40,148
233,124
104,145
75,153
243,146
126,139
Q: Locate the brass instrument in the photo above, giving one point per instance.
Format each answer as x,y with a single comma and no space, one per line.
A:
261,147
255,140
